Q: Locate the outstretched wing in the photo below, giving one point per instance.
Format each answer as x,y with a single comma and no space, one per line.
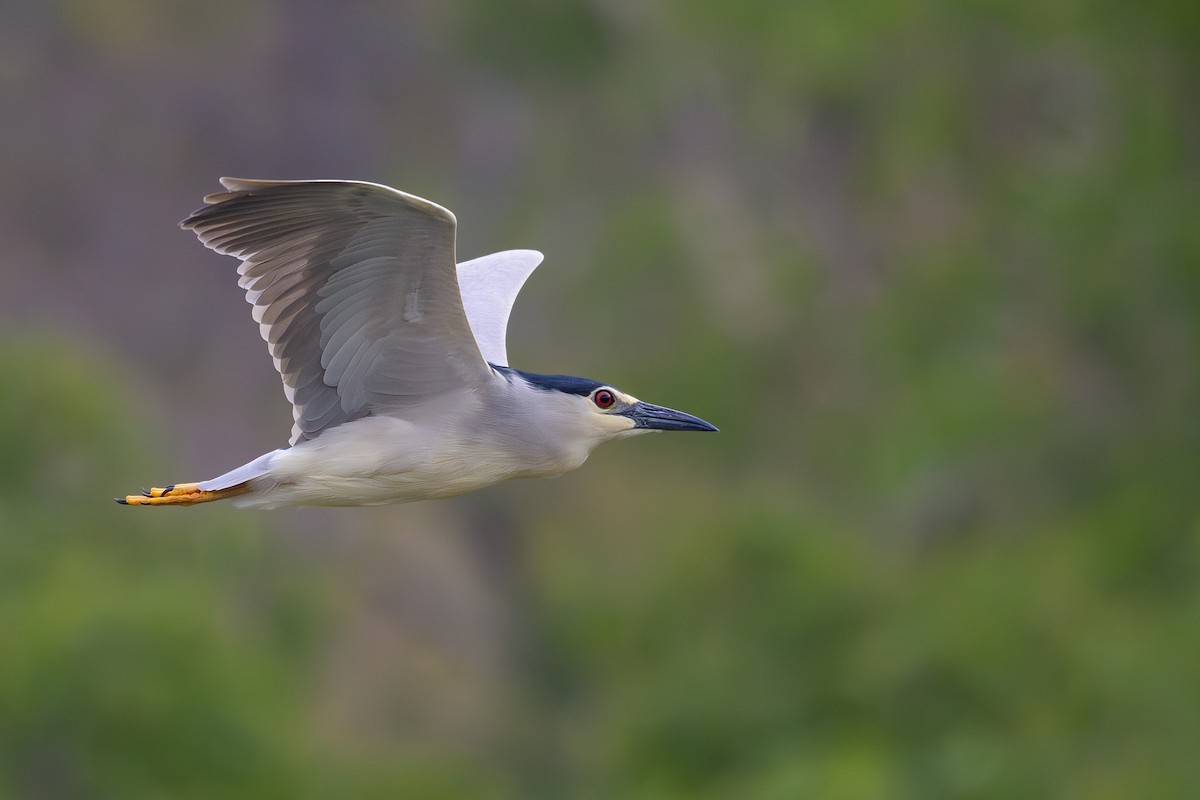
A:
355,290
489,287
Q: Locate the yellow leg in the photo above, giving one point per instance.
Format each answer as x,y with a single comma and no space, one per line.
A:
180,494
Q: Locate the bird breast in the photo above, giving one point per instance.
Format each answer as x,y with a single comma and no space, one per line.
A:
383,459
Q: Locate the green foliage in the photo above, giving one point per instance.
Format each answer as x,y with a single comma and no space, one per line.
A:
148,655
763,651
931,267
538,39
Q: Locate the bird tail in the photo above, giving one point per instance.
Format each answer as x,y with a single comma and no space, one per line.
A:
231,484
182,494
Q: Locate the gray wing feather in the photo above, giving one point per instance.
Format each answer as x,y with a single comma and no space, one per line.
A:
355,291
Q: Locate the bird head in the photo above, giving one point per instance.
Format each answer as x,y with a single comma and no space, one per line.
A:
599,411
610,409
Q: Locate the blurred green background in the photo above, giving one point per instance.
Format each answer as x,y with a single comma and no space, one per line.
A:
931,266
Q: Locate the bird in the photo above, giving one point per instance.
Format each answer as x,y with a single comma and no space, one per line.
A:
392,355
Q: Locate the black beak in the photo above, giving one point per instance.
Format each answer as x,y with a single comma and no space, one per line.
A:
645,415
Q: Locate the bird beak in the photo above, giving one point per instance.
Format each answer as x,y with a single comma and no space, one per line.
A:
652,417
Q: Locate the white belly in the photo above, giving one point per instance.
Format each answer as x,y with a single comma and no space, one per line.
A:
378,460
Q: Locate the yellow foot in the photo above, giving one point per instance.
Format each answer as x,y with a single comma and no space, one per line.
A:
180,494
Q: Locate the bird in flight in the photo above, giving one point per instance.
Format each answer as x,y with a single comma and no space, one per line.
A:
392,355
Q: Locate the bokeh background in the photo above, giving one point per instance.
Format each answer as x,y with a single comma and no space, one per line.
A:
933,267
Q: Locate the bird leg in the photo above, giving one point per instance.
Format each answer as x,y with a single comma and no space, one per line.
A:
180,494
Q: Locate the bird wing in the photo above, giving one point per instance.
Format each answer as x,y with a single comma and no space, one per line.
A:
489,287
355,291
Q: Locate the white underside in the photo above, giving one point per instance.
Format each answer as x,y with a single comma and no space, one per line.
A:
462,443
455,443
370,461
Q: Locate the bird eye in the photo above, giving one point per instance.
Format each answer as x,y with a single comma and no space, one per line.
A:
604,399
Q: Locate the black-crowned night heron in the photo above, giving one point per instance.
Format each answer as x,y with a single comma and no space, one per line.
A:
392,356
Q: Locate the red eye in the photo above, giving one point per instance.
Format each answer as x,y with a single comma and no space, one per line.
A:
604,399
